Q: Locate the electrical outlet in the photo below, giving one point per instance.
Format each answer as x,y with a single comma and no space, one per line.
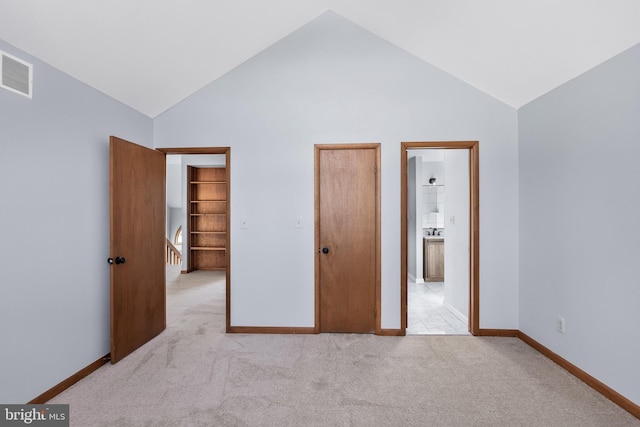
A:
298,222
561,324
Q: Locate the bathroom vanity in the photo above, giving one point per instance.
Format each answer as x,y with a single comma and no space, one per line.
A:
433,250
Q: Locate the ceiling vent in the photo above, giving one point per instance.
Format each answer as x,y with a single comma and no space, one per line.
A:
17,75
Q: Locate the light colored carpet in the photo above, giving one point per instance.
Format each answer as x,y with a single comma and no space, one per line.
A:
194,374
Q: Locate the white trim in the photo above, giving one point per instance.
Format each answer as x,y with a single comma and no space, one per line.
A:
413,278
456,313
28,65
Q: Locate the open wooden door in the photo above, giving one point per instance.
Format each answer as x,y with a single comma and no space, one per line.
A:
138,209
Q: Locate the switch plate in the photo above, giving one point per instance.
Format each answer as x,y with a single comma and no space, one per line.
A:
298,222
244,222
561,324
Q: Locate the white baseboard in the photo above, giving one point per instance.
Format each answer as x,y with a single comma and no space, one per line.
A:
456,313
413,278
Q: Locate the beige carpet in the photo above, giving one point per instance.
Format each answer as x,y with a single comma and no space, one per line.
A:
194,374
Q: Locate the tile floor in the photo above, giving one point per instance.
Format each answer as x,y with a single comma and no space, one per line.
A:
426,313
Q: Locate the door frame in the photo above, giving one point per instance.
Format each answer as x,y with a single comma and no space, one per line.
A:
352,146
474,227
227,152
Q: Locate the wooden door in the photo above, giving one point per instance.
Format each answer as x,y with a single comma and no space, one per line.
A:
137,197
347,215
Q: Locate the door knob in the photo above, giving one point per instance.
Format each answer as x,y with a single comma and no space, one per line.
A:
325,250
120,260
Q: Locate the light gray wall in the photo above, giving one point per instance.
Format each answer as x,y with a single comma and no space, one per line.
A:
175,219
334,82
174,195
579,228
456,243
54,182
175,198
414,216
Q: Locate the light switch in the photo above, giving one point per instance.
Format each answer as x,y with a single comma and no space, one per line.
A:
298,222
244,222
452,219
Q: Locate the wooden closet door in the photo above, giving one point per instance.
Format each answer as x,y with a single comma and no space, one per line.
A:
347,257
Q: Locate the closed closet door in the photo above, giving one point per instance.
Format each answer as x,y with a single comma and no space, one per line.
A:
347,237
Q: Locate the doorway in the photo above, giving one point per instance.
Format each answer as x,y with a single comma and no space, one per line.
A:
205,153
431,240
347,235
137,240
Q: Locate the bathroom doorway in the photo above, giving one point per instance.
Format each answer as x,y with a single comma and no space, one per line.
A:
439,238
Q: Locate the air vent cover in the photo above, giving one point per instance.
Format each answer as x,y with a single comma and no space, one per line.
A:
16,74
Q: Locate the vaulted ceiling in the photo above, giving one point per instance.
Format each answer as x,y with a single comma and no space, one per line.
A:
151,54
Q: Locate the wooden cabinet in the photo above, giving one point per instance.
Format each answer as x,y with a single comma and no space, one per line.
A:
433,260
207,205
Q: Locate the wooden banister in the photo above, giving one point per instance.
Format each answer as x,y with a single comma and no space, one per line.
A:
172,254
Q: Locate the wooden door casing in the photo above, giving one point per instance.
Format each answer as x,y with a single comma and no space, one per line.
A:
474,227
347,224
137,220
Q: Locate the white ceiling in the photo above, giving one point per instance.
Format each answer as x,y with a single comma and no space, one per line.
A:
151,54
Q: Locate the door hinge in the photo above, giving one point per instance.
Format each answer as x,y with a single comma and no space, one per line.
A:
375,312
375,170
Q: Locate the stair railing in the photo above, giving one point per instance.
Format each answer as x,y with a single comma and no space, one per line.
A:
172,254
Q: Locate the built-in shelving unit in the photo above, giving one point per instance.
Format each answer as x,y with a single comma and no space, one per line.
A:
207,204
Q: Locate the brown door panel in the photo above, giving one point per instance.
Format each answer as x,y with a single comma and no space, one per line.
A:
137,220
347,228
